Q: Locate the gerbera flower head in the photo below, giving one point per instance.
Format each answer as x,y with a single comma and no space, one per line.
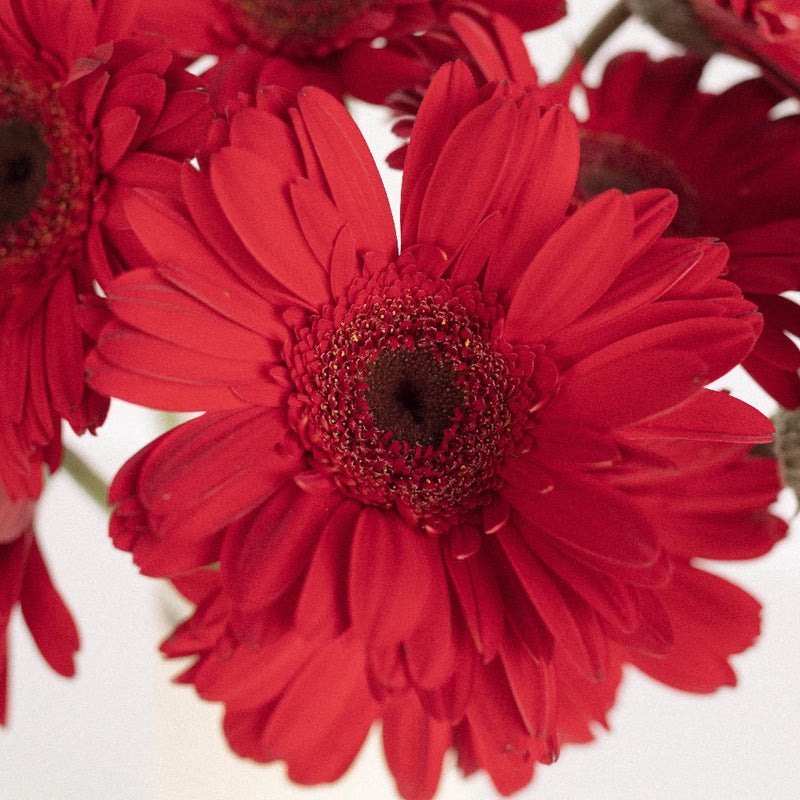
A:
79,126
294,28
733,170
25,582
311,28
410,469
355,46
766,32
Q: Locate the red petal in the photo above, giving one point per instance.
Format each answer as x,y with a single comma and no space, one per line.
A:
539,206
480,600
320,723
450,96
144,300
502,745
650,372
265,553
322,606
392,568
533,687
47,617
561,611
116,131
252,192
599,523
573,269
350,170
712,620
414,744
709,415
474,156
431,649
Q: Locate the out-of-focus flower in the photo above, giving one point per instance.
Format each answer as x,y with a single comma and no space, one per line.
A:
766,32
417,470
346,45
24,582
734,170
80,126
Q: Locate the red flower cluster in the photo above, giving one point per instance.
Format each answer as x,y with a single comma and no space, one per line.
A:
453,485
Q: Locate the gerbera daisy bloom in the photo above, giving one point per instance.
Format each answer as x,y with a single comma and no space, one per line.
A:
766,32
78,128
734,171
334,36
408,468
24,582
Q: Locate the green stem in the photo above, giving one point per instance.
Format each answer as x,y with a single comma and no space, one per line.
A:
85,477
613,18
597,36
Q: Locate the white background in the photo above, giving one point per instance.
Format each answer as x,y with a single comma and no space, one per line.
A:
121,731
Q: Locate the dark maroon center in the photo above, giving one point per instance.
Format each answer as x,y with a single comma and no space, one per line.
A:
612,161
413,395
301,20
24,158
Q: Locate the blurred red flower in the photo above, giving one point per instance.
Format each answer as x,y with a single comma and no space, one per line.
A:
766,32
341,45
734,170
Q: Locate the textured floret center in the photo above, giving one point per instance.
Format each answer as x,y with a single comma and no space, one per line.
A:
46,178
23,168
408,398
412,394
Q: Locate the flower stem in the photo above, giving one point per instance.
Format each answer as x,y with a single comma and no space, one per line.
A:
85,477
596,37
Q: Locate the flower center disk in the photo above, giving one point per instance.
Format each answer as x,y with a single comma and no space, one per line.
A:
612,161
412,395
299,25
46,179
23,168
408,399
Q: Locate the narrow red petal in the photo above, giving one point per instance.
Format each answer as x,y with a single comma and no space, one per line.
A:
392,568
565,278
414,744
252,192
264,554
350,170
47,617
475,154
320,723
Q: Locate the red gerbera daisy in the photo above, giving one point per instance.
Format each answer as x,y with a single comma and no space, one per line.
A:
766,32
412,468
734,170
74,136
334,37
24,581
